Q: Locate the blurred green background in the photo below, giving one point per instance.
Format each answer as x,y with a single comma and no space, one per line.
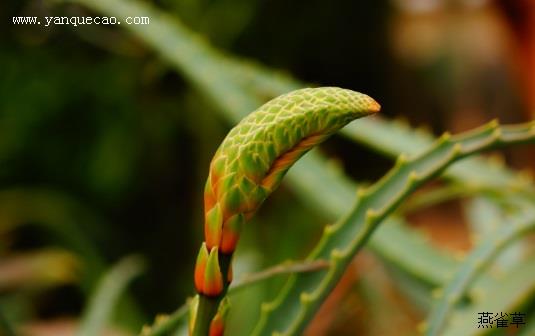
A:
104,147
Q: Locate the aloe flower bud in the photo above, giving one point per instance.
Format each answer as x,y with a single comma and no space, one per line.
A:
208,277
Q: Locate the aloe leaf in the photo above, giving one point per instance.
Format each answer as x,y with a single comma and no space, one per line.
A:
188,52
492,244
507,294
483,215
107,294
300,298
58,214
329,190
38,269
486,214
67,219
475,171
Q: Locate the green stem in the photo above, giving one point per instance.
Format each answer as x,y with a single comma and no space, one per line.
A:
206,310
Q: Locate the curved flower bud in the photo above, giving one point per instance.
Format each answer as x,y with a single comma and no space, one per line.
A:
256,154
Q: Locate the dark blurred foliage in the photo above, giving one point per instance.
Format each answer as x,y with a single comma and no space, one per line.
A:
92,114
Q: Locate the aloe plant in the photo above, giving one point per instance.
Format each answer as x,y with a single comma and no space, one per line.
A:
237,87
300,298
303,293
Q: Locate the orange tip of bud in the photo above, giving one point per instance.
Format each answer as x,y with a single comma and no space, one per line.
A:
375,107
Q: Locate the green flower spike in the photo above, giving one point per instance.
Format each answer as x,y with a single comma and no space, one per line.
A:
256,154
249,165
